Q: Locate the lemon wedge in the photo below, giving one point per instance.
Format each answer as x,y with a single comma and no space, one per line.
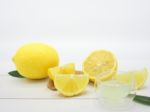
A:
71,85
139,77
66,69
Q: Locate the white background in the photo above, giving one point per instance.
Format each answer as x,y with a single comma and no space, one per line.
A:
74,28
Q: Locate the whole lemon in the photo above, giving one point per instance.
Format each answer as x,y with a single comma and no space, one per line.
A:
33,60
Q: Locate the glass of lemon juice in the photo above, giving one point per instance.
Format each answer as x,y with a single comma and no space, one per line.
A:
116,93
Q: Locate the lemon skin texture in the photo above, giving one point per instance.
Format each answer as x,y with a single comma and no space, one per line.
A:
33,60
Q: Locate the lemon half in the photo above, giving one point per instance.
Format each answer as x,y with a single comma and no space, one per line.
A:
100,64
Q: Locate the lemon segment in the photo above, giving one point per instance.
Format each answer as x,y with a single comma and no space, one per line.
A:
71,85
139,77
52,72
66,69
100,64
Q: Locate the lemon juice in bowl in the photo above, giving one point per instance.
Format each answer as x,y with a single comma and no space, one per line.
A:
115,93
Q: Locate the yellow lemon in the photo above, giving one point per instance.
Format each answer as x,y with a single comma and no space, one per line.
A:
33,60
71,85
66,69
100,64
138,77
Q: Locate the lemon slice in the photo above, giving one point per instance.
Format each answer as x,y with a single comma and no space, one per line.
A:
100,64
71,85
139,77
66,69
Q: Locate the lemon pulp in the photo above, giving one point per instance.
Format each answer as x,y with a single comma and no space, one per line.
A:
138,76
71,85
100,64
65,69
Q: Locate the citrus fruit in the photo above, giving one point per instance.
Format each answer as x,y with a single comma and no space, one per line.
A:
66,69
71,85
100,64
139,77
33,60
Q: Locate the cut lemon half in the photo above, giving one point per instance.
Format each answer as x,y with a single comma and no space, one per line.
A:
100,64
139,77
71,85
66,69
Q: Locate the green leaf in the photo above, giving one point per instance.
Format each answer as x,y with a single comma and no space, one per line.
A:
15,73
142,99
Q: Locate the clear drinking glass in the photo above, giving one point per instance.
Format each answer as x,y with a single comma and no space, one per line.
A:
116,93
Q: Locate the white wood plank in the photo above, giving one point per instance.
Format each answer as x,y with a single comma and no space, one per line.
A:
67,105
12,87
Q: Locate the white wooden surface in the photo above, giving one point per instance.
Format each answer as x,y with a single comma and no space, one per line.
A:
26,95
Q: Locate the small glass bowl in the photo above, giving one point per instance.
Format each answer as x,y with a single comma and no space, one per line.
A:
115,93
